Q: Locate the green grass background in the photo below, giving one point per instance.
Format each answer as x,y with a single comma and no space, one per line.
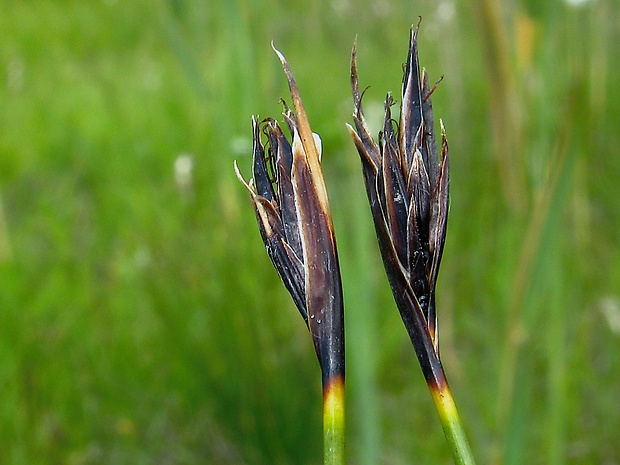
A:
141,323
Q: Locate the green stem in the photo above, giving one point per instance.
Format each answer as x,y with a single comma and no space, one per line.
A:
333,422
451,423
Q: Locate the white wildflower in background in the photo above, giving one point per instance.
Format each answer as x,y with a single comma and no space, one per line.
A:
183,174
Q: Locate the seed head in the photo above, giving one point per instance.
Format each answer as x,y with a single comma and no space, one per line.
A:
290,201
407,185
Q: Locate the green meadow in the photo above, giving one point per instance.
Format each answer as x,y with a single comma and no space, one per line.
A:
141,321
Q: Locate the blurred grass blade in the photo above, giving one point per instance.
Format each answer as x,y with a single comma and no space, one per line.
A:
5,244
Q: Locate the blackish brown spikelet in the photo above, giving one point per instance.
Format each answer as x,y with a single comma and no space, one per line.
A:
290,200
407,183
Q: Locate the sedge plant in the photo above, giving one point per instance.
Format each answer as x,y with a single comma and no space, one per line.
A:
290,201
408,188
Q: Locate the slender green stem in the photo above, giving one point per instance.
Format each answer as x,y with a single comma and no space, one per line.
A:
333,422
451,423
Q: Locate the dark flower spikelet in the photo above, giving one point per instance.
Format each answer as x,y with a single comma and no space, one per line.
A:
408,189
290,201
